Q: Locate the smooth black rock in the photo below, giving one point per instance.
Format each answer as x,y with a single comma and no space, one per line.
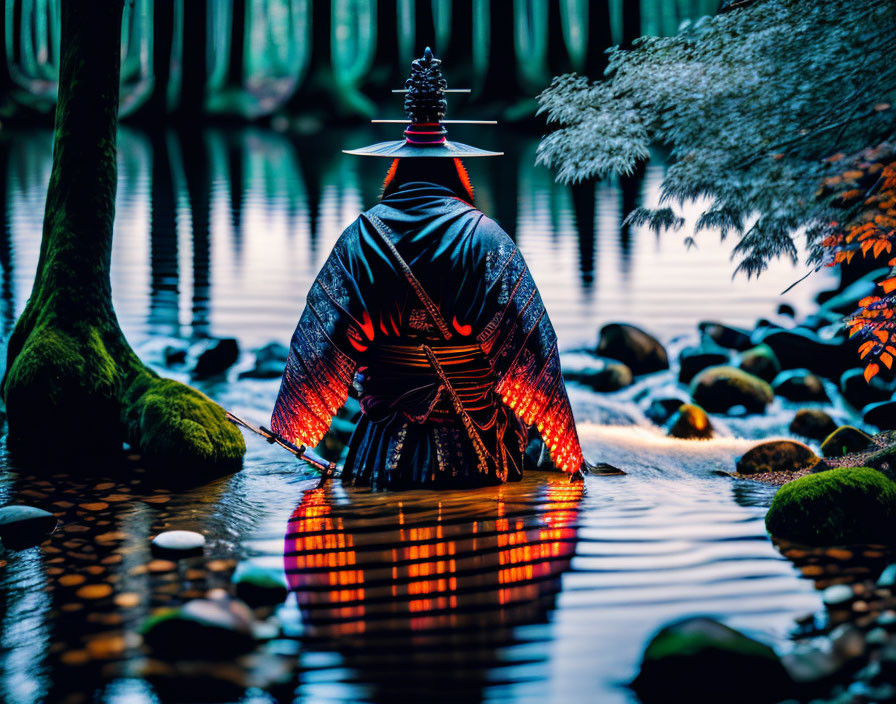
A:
694,360
662,409
725,336
882,415
803,349
760,361
844,441
610,377
638,350
812,423
719,389
174,355
701,660
800,385
178,543
24,526
847,300
217,358
860,393
272,352
786,309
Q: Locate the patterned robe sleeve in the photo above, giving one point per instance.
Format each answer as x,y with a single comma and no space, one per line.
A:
521,345
321,363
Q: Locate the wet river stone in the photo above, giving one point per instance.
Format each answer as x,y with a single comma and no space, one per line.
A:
844,441
883,415
638,350
217,358
718,389
837,507
662,409
258,585
725,336
812,423
838,595
760,361
887,577
23,526
797,349
690,423
178,543
201,629
611,376
702,660
799,385
776,456
694,360
860,393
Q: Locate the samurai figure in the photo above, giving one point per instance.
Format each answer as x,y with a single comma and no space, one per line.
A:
426,307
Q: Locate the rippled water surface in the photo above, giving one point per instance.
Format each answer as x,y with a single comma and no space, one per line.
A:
540,591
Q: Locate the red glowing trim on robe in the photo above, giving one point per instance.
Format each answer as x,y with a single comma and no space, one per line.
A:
461,329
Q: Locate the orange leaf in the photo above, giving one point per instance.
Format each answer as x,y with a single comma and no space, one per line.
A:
855,328
887,359
870,371
888,285
880,247
882,336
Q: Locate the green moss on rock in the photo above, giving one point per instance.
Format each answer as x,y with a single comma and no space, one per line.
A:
836,507
701,660
844,441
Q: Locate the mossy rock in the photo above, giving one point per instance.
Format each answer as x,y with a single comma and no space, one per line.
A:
760,361
812,423
701,660
201,629
694,360
259,586
718,389
838,507
844,441
170,421
690,423
777,456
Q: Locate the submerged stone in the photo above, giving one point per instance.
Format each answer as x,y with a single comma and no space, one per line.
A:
662,409
725,336
702,660
610,377
718,389
694,360
860,393
776,456
760,361
201,629
259,586
690,423
638,350
844,441
812,423
217,358
799,385
836,507
178,543
838,595
883,415
887,577
24,526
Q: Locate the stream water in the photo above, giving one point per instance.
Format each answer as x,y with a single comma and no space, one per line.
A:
532,592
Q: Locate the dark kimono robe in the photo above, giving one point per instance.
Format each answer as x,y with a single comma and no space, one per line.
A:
427,306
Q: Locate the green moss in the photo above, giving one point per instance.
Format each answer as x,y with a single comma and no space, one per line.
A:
845,440
836,507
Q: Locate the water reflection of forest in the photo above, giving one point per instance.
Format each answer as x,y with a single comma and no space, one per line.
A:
221,232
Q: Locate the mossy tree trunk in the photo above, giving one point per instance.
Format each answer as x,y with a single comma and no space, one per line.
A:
73,385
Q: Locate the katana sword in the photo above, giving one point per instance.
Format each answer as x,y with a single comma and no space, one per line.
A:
327,469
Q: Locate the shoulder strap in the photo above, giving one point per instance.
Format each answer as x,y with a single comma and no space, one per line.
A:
383,230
